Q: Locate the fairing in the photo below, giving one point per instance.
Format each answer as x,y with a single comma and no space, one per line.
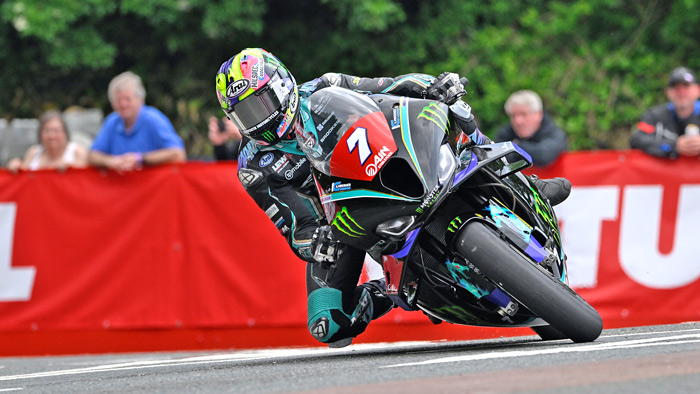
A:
378,147
408,141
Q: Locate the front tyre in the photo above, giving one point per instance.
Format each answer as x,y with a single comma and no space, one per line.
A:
531,285
548,333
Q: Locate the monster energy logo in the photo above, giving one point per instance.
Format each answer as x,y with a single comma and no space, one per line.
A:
458,312
429,200
347,224
542,210
435,114
454,224
268,136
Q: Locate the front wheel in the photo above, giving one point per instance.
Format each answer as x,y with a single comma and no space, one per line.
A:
548,333
528,283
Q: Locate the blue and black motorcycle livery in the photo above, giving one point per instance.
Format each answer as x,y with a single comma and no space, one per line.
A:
464,236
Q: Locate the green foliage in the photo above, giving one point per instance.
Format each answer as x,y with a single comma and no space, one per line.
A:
588,59
52,24
242,16
368,15
598,64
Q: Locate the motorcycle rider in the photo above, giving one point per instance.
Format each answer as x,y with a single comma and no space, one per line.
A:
259,94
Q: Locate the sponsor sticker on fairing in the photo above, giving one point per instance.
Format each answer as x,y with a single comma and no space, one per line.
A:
379,160
339,186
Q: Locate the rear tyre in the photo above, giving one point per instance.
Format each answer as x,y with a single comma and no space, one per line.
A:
528,283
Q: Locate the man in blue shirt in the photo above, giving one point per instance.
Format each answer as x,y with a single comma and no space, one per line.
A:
134,134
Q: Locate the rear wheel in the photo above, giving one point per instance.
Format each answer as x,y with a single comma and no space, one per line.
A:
529,284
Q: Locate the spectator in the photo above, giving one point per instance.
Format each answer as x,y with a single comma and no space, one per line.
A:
671,130
54,149
225,137
134,134
532,129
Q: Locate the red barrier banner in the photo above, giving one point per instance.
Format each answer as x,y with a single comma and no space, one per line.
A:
172,247
630,232
182,248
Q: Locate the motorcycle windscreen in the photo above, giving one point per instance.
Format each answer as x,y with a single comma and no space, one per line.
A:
345,134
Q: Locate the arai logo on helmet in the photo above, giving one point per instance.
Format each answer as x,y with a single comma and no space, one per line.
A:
235,89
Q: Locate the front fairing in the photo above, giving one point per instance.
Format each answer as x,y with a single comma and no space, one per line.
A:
530,222
391,168
505,160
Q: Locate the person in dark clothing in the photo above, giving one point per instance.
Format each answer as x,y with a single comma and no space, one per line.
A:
532,129
225,138
673,129
260,96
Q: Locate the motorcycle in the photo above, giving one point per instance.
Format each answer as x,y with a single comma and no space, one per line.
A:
467,238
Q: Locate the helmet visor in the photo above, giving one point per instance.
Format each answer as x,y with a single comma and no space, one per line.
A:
265,104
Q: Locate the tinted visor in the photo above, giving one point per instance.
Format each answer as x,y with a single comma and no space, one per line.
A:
254,112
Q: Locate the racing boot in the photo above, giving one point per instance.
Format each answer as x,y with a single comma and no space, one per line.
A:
382,303
556,190
372,304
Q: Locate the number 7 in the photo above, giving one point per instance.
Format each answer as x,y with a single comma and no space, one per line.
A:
359,138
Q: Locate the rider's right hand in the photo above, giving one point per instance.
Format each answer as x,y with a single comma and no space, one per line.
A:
447,88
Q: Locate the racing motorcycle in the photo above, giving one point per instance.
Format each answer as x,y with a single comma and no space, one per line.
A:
466,237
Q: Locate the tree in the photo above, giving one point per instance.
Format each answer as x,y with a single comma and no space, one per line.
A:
596,63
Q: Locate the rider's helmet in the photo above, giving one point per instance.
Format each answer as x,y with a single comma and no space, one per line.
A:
259,94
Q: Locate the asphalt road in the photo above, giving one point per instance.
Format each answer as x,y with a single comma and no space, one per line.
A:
658,359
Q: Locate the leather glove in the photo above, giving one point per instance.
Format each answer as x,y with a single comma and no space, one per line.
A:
447,88
324,246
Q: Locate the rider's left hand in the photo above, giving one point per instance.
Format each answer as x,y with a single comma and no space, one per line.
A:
324,246
447,88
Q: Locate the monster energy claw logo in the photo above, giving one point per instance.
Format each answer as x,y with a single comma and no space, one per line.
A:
347,224
435,114
454,224
268,136
544,212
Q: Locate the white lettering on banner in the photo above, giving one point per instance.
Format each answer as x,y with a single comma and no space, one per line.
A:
639,238
15,283
582,215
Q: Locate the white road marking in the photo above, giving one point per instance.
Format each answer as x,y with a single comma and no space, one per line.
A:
283,353
660,341
650,333
13,389
211,359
